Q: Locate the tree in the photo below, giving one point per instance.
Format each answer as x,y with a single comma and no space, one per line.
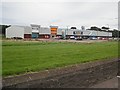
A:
105,28
95,28
3,28
73,28
116,33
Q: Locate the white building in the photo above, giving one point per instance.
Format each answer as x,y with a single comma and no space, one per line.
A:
15,31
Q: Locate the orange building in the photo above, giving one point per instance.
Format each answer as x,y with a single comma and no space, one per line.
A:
53,30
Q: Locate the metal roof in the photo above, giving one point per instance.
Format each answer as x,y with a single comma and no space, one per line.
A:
53,26
34,25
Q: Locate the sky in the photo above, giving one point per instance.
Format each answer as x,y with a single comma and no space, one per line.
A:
63,13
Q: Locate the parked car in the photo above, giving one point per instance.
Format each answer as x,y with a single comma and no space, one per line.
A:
104,38
57,37
78,38
85,37
72,37
99,38
93,38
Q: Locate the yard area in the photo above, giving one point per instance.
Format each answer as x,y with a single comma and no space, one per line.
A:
21,57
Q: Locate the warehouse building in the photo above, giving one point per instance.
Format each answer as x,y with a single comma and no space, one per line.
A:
36,31
15,31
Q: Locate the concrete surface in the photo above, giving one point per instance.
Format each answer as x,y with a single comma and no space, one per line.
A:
112,83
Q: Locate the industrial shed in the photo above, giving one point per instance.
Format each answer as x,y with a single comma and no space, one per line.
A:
19,32
15,31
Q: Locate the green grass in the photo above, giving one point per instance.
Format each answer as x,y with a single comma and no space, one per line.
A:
21,57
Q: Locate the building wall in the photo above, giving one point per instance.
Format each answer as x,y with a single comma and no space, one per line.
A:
96,33
86,32
53,30
105,34
59,31
27,36
44,30
44,36
15,31
35,26
28,30
70,32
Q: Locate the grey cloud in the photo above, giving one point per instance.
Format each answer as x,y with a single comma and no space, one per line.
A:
62,14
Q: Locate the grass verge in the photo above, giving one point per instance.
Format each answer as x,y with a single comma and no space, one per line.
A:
21,57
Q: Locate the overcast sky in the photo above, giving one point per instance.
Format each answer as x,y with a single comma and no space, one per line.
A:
62,13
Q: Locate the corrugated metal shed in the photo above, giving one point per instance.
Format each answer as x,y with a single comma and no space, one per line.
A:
15,31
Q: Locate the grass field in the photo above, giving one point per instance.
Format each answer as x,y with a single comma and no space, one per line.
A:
21,57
